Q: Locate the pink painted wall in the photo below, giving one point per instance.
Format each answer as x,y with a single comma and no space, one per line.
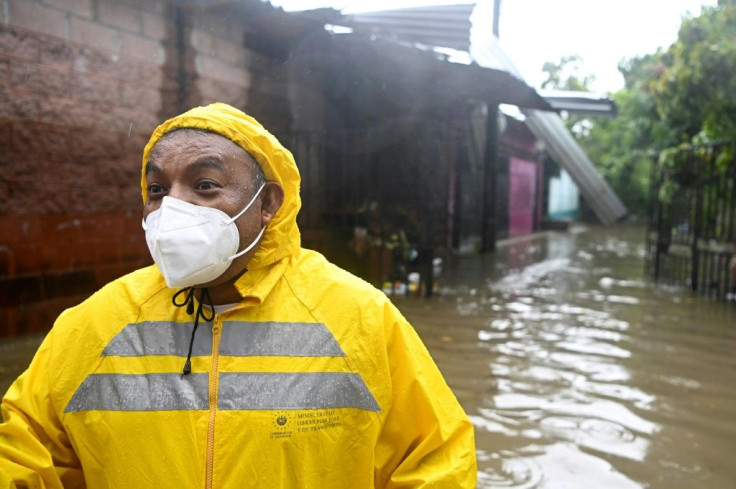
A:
522,196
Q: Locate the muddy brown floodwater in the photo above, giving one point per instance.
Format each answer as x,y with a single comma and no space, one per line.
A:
579,372
576,370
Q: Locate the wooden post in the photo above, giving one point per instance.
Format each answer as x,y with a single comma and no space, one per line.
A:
490,159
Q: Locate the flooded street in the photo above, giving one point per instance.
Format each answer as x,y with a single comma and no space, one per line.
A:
577,370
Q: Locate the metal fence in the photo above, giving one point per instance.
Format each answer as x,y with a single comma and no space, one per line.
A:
691,232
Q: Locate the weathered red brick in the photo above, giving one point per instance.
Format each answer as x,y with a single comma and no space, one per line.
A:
134,250
25,257
120,171
93,34
96,145
6,136
18,105
130,197
104,228
107,273
101,63
229,52
61,173
138,47
154,6
101,198
59,55
203,42
36,78
214,68
132,96
35,197
18,44
213,90
20,169
67,112
217,25
4,200
41,139
78,7
157,26
61,230
139,72
119,14
134,119
4,73
95,89
37,18
17,229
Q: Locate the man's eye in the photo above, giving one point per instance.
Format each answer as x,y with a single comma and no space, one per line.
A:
155,188
206,186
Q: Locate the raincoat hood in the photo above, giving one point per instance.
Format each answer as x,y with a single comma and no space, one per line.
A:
281,237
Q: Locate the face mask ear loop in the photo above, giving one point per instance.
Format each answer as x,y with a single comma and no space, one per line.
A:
235,218
250,246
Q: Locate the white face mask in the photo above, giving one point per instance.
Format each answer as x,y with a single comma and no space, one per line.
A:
193,244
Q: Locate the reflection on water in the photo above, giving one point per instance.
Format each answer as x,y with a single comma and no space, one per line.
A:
578,372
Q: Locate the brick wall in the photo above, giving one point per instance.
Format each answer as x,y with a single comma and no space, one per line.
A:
82,85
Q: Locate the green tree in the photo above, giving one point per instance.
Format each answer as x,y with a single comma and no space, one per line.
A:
696,93
683,95
567,74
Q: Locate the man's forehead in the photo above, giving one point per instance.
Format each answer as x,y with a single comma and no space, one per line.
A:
187,140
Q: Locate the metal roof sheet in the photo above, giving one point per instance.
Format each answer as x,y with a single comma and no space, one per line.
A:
580,102
418,78
443,25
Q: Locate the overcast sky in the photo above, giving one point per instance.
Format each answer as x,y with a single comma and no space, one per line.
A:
532,32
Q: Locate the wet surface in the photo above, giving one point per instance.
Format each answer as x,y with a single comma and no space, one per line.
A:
576,370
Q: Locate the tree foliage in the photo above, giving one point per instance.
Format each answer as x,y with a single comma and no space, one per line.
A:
683,95
567,75
696,93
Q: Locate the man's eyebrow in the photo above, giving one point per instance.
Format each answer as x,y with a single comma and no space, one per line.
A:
152,168
207,162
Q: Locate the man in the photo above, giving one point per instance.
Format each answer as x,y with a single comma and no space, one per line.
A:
240,359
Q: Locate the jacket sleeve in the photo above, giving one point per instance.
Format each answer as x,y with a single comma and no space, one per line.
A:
34,448
426,440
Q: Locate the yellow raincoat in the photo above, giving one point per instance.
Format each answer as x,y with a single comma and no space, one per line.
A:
314,380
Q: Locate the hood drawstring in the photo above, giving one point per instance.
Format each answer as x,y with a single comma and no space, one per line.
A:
189,302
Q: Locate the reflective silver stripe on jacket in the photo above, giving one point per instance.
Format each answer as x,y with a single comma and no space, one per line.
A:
239,339
147,392
160,338
237,391
246,339
318,390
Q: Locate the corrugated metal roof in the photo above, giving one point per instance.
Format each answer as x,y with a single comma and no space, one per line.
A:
580,102
416,79
444,26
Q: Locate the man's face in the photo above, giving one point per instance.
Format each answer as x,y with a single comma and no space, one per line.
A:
208,170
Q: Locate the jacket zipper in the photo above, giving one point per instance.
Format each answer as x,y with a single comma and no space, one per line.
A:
216,332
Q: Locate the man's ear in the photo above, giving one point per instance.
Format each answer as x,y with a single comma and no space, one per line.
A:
271,200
